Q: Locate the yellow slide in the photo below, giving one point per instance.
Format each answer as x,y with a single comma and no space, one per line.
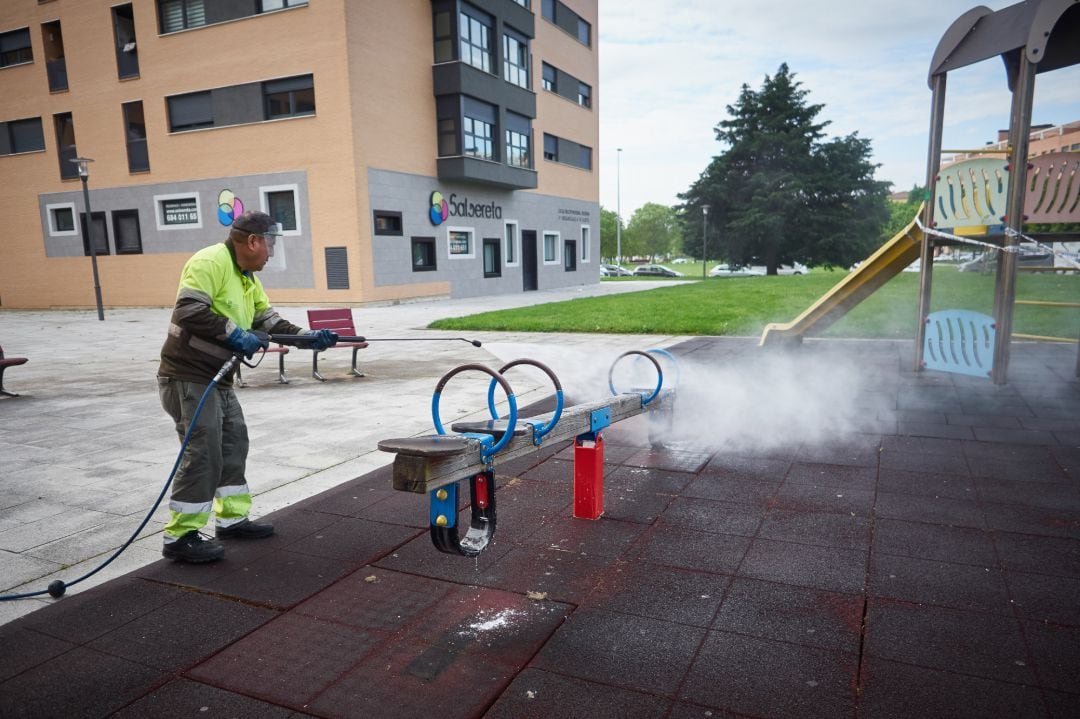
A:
875,271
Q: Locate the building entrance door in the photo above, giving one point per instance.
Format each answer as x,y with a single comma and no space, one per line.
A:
528,260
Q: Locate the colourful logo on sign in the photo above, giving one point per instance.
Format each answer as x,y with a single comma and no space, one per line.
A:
229,207
439,209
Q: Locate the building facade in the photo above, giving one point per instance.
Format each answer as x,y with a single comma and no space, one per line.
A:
410,148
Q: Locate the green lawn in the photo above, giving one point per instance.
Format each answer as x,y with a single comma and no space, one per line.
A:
743,306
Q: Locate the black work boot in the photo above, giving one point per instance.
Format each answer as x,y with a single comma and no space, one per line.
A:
194,549
246,530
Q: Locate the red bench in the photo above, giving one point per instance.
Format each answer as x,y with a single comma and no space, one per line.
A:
339,320
280,351
6,362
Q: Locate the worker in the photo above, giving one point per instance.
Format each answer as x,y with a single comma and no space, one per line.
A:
219,302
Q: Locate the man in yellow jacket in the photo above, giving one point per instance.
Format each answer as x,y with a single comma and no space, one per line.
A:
219,301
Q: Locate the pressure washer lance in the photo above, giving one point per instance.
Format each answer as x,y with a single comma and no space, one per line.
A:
306,340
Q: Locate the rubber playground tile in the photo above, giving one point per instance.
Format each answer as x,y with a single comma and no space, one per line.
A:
821,528
829,568
891,689
356,541
817,498
773,679
376,599
632,505
553,470
857,451
85,615
597,538
961,586
799,615
932,510
669,459
288,661
562,576
984,420
927,484
753,493
24,648
706,515
914,462
422,558
348,500
1019,471
1043,598
932,430
1060,704
165,637
536,694
687,549
1034,494
647,479
749,468
832,475
522,506
81,682
934,541
1045,555
609,648
1032,520
664,593
1017,436
682,710
281,579
984,645
407,509
923,445
181,698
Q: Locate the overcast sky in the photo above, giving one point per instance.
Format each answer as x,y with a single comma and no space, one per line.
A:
669,69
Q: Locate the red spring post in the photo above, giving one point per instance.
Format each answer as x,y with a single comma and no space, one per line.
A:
589,478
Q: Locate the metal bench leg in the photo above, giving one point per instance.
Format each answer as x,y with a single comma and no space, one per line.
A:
281,369
355,372
315,366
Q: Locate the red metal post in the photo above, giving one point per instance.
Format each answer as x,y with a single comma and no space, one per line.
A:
588,478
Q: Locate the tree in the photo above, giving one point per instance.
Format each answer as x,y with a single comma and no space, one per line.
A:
653,230
902,213
608,235
779,193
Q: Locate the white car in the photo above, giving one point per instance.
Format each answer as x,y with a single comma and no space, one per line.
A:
794,269
680,261
725,270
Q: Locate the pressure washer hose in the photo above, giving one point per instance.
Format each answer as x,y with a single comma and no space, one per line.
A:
58,587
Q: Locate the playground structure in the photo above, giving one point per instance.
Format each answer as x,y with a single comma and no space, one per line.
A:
436,464
990,197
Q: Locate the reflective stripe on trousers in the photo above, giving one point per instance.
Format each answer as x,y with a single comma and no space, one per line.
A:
211,472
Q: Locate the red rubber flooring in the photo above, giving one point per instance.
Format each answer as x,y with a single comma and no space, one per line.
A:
926,564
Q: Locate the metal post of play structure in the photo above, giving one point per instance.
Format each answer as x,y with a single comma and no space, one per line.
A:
1005,292
704,240
933,167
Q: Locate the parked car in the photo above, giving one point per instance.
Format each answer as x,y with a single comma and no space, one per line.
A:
614,271
656,271
725,270
1026,258
794,269
680,261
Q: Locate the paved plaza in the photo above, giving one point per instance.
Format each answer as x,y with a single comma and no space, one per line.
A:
825,533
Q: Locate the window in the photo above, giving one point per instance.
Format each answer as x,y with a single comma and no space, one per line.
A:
177,212
135,132
551,245
584,32
181,14
448,138
270,5
551,147
570,256
423,254
21,136
523,3
15,47
100,231
282,203
510,235
191,111
585,157
547,8
65,144
459,243
584,95
387,223
52,40
516,59
337,268
126,232
478,129
492,259
474,28
290,97
61,219
127,55
555,12
444,37
551,77
586,233
517,140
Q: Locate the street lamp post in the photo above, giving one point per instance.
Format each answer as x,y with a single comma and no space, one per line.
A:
84,175
618,207
704,240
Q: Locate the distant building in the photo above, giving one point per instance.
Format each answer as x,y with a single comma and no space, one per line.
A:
1043,140
411,148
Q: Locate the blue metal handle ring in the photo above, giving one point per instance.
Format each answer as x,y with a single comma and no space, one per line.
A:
538,432
512,418
659,375
677,379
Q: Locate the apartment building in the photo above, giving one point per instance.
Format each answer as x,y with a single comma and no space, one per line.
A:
410,148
